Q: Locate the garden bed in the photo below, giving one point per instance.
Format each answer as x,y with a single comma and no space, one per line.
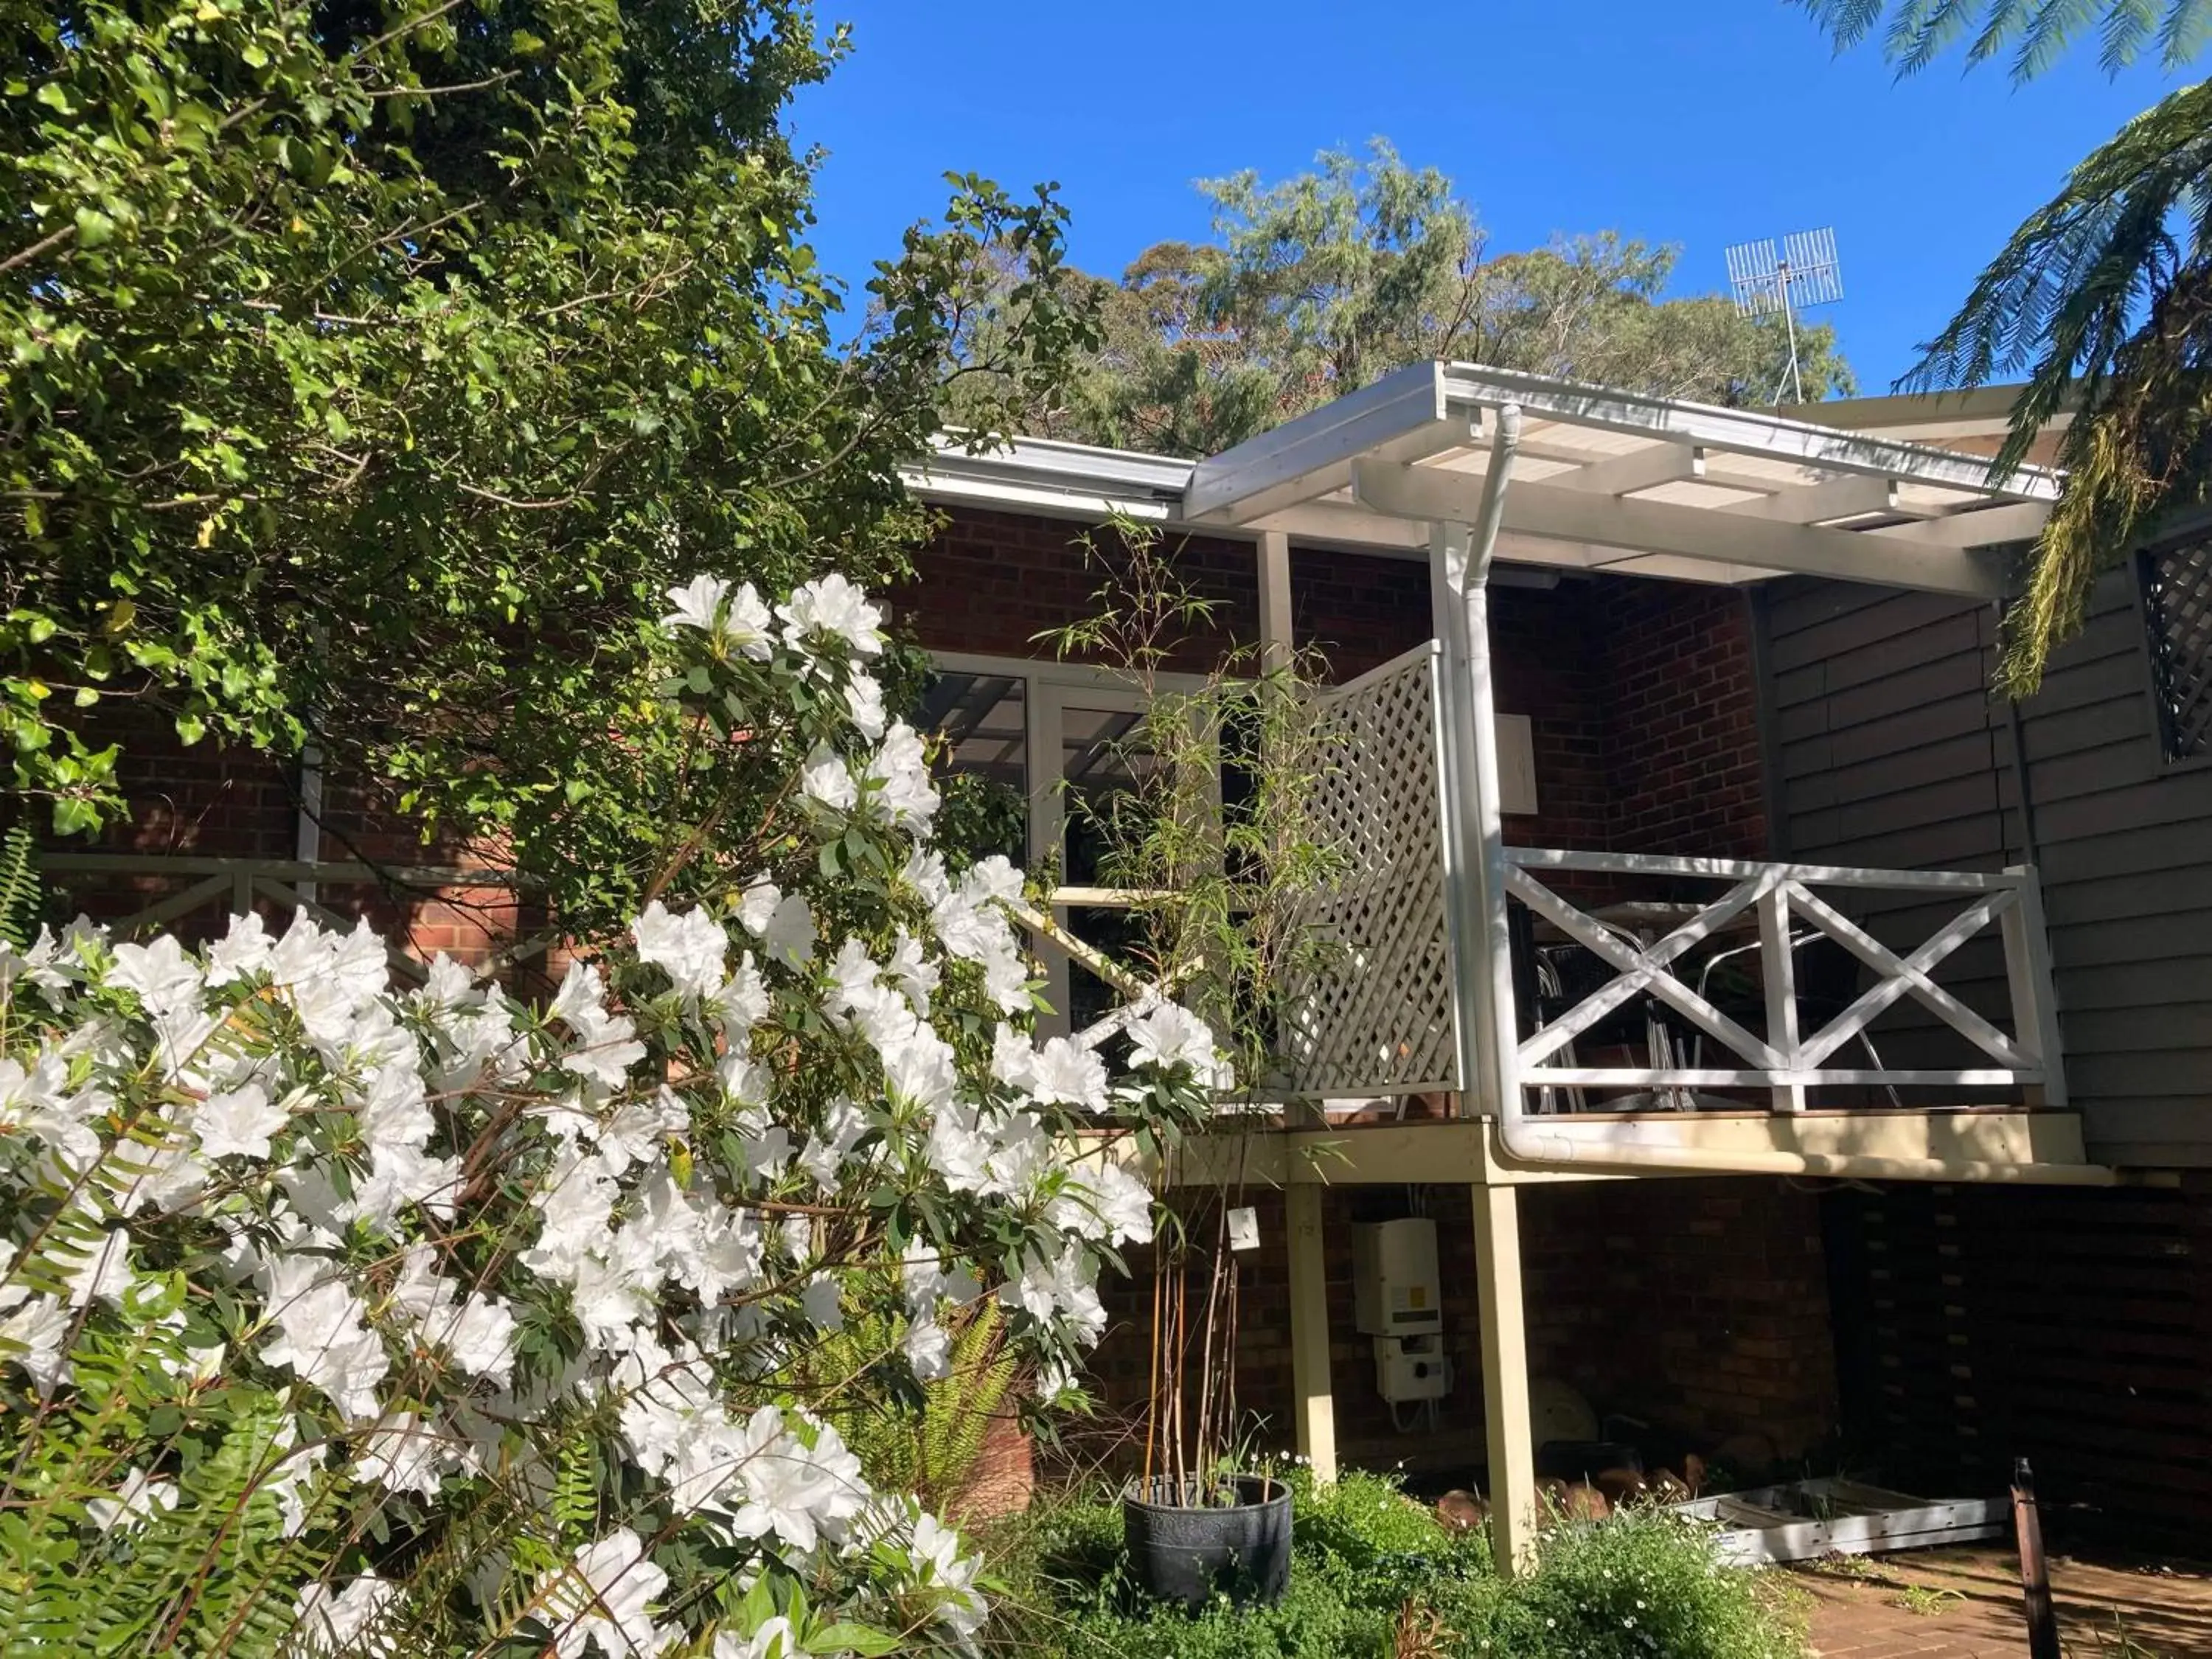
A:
1374,1572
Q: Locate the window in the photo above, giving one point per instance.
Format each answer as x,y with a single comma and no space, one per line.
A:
1036,755
2177,591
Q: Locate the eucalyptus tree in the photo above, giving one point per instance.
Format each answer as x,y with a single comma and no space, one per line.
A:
1319,284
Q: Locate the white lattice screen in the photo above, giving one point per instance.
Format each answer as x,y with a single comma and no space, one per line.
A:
1378,1019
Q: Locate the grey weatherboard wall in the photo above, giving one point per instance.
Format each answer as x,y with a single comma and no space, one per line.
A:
1886,748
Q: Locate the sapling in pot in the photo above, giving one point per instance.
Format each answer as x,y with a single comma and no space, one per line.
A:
1208,842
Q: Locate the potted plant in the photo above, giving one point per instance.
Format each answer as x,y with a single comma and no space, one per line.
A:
1209,844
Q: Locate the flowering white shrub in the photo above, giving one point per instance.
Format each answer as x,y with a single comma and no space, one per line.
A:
342,1318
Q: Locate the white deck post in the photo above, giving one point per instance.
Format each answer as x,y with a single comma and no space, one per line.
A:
1310,1381
1505,1407
2034,992
1302,1200
1779,967
1274,560
1488,1043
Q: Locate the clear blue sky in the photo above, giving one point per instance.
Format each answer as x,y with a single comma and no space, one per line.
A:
1697,122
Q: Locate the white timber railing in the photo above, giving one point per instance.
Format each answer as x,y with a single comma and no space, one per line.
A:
1651,950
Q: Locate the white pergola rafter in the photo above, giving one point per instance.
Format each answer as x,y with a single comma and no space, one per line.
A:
1643,485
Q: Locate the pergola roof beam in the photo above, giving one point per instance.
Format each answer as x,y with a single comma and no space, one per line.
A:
1754,432
1640,469
1403,416
1659,527
1853,495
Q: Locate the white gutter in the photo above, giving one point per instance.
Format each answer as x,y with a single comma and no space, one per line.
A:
1483,966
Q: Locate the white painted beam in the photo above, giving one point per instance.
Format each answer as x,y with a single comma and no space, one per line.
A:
1985,526
1405,412
1658,528
1846,497
1750,431
1640,469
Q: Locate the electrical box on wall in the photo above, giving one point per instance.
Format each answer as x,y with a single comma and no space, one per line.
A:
1412,1368
1394,1289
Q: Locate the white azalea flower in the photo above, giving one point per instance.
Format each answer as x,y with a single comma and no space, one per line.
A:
103,1273
403,1453
792,1489
165,978
821,1305
827,780
864,705
323,1333
917,976
743,1003
1060,1289
775,1639
833,606
39,1328
757,904
238,1122
133,1505
789,937
1169,1034
738,622
246,949
602,1600
842,1126
340,1624
928,1350
689,948
1068,1074
899,789
696,603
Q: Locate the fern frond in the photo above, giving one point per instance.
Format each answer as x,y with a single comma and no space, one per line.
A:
2037,31
21,896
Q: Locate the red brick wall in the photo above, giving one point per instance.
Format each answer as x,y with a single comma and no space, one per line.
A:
991,582
1699,1306
1682,752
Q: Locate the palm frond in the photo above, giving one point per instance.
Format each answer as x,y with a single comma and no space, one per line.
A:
2140,447
2051,30
1920,30
1845,21
2037,32
2188,25
2121,37
2063,297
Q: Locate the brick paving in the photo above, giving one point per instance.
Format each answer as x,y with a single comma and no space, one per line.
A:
1971,1607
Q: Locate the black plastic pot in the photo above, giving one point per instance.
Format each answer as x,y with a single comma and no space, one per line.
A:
1185,1552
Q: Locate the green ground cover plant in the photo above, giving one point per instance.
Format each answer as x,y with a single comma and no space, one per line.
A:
1376,1577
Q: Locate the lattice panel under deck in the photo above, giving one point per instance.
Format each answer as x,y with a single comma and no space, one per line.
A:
1378,1019
2177,604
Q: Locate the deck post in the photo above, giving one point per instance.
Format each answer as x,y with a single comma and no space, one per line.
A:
1274,562
1506,1405
1310,1381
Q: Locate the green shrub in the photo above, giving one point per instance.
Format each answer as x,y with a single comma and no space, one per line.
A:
1643,1584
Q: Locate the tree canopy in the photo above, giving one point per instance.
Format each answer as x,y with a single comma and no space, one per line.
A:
2102,298
368,367
1321,283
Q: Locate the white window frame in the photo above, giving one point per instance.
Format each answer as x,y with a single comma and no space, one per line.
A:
1050,686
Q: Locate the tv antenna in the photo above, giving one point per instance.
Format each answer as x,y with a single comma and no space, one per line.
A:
1806,273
